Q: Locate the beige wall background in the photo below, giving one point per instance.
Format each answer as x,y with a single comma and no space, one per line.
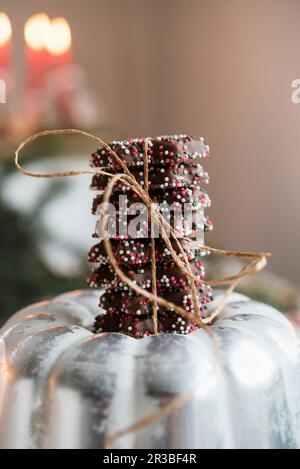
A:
218,68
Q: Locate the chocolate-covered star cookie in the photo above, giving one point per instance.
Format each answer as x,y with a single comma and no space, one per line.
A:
167,150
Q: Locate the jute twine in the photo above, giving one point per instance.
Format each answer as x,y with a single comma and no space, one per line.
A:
257,261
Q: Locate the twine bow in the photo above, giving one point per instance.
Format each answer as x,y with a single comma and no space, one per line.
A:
257,261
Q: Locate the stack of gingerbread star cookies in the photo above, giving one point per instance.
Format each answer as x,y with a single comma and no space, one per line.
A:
176,181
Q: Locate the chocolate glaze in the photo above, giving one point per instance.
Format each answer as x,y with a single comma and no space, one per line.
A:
129,313
168,277
142,326
164,150
177,199
135,252
131,303
139,327
159,178
191,225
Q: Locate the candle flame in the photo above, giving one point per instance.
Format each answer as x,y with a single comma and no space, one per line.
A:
5,29
36,29
58,39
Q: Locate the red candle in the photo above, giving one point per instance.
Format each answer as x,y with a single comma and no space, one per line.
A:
5,47
37,57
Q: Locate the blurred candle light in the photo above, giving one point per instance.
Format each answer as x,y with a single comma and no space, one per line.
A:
58,42
63,83
38,61
5,46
